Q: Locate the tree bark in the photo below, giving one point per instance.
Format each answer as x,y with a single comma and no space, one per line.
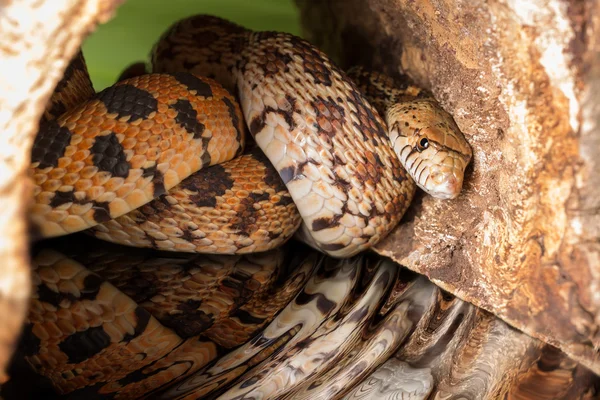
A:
39,39
522,80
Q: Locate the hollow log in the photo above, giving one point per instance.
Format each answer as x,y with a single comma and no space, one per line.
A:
522,80
39,39
521,242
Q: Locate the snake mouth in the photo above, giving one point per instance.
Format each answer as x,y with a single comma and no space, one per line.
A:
444,185
450,189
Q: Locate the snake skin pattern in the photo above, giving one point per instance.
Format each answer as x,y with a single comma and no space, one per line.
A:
238,207
442,347
74,88
425,137
128,145
160,161
329,146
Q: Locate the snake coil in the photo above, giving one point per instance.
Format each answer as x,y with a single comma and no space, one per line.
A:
162,161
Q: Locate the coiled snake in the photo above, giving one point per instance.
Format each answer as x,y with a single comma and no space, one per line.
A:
158,161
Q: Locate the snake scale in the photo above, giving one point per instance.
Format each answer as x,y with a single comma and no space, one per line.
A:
162,161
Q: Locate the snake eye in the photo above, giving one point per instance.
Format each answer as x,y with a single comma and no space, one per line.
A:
423,144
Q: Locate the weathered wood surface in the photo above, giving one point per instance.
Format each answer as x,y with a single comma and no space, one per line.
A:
522,80
39,37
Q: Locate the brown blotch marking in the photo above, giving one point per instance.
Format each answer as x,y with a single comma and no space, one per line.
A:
206,187
246,215
30,344
273,235
101,209
140,287
246,318
370,84
91,287
314,62
143,317
288,112
240,282
49,296
193,83
324,305
234,115
158,180
285,200
191,321
258,122
108,155
371,169
187,118
50,144
188,235
271,177
330,116
80,346
205,158
287,174
126,100
368,122
76,64
322,223
273,61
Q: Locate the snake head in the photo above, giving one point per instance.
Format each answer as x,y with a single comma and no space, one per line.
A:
430,146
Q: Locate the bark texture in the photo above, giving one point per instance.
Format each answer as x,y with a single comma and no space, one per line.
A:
522,80
39,37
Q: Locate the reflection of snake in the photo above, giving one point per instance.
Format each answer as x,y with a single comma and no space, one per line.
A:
329,163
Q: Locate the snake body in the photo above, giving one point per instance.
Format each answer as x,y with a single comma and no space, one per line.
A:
130,144
160,161
327,143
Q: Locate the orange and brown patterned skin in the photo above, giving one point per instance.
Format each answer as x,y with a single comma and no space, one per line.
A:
188,293
328,146
74,88
252,316
203,44
129,144
167,314
83,332
238,207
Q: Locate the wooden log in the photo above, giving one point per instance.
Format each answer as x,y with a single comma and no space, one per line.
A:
39,37
522,80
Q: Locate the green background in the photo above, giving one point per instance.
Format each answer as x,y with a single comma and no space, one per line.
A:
137,25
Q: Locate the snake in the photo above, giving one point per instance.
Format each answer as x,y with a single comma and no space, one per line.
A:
162,161
350,178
